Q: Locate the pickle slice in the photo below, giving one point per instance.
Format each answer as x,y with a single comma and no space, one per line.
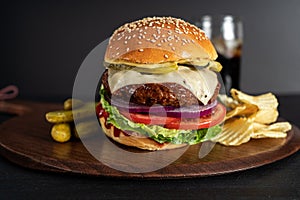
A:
215,66
161,68
205,63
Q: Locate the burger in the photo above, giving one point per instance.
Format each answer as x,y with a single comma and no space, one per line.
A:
160,86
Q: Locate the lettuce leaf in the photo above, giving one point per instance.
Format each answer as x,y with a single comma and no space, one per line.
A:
156,132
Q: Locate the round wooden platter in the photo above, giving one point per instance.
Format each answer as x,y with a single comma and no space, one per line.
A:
26,141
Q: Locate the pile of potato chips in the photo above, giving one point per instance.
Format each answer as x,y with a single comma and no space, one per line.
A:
250,117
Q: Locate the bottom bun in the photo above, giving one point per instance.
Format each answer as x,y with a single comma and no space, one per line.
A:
133,141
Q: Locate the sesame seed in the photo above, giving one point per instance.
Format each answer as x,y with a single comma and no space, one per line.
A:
141,50
166,56
156,36
127,49
172,27
178,31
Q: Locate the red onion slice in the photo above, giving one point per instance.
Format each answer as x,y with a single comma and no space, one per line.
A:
194,111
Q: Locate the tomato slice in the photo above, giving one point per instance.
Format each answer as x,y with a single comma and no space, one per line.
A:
178,123
203,122
150,119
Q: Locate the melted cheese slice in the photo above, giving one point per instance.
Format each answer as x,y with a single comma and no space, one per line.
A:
202,83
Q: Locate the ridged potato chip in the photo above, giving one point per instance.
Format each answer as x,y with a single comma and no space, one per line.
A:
228,101
266,116
258,126
268,134
236,131
250,117
276,130
278,126
245,110
264,101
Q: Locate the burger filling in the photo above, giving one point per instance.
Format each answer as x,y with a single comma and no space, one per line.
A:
160,133
149,94
181,112
188,80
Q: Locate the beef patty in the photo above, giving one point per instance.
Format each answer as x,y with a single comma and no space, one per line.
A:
165,94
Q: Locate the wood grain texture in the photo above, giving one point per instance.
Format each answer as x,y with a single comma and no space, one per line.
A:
26,140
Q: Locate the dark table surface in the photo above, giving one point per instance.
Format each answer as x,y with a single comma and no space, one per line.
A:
278,180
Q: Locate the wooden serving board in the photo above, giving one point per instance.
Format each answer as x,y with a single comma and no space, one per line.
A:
25,140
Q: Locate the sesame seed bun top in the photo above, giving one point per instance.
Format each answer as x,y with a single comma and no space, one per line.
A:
157,40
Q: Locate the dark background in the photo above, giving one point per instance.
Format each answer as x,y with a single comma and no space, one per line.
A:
44,42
